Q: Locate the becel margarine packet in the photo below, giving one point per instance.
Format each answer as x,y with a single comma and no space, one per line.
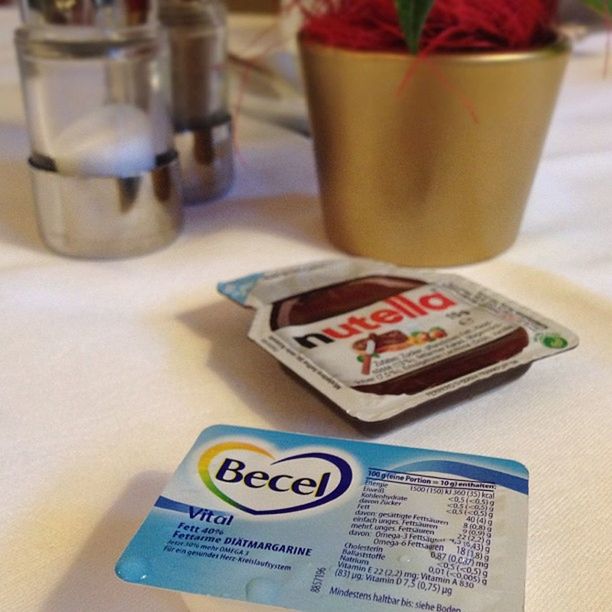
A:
378,339
254,517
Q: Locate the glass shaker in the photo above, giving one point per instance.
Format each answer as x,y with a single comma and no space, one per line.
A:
197,32
105,172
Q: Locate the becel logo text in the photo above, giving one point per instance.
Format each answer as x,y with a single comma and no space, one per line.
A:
258,481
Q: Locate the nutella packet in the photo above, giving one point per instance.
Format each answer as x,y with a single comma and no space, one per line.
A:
377,339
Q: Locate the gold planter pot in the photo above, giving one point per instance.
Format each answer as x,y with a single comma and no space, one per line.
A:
436,173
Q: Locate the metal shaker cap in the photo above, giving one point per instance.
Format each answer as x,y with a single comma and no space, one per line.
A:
95,14
210,13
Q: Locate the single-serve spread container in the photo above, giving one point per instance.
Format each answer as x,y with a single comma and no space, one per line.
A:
256,518
378,339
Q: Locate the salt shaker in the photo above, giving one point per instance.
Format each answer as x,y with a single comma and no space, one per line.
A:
105,172
197,33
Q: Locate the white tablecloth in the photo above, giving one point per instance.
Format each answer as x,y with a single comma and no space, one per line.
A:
110,369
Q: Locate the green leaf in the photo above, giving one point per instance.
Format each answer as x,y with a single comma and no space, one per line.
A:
601,6
412,15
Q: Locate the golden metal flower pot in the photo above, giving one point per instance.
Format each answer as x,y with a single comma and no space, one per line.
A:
436,173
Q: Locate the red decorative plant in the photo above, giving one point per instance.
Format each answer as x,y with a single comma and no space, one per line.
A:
423,26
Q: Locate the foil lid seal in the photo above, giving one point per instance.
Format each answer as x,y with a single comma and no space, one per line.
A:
194,13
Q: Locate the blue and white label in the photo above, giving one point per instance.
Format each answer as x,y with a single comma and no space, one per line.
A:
313,524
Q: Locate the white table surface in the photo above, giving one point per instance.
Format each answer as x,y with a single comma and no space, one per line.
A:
110,369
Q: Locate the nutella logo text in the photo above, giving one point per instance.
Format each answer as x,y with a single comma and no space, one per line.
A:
399,307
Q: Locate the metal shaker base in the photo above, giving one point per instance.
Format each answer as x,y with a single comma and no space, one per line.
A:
108,217
207,161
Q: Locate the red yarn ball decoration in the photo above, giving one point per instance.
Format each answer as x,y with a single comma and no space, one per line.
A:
452,25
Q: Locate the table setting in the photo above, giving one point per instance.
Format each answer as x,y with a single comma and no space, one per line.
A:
114,361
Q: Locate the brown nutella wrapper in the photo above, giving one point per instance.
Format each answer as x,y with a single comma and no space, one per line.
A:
378,339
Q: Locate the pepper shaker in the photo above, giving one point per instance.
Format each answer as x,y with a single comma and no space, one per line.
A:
197,34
